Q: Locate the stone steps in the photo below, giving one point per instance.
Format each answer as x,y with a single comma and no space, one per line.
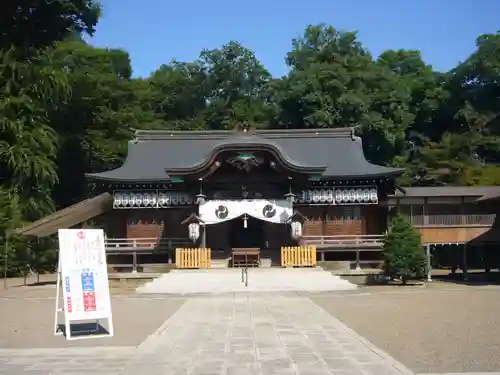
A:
216,281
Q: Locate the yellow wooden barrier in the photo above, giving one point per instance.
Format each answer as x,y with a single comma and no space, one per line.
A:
298,256
192,258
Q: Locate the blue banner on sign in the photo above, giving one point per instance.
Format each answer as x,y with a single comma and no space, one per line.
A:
88,281
66,282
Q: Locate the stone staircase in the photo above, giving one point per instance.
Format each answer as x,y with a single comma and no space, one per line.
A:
216,281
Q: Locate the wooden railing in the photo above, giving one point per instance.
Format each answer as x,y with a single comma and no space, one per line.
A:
120,245
345,241
141,246
298,256
192,258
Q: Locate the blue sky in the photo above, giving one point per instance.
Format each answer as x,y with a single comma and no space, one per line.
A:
156,31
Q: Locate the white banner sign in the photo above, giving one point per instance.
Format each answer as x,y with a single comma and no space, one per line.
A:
273,211
84,276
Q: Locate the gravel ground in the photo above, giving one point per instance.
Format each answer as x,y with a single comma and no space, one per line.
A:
28,316
445,328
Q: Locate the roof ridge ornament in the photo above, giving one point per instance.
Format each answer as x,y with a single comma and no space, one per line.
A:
354,137
245,128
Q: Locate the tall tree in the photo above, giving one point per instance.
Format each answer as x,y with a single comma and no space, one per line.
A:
234,87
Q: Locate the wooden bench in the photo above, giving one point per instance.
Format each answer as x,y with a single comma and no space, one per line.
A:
249,257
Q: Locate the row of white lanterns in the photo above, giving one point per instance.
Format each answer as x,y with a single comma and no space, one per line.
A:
340,196
316,196
150,199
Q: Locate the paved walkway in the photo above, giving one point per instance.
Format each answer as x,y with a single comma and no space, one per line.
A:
227,335
258,335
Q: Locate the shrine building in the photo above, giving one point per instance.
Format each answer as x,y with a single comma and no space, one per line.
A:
265,191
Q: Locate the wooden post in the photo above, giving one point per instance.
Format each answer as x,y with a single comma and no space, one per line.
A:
6,253
464,266
204,236
429,266
134,262
358,266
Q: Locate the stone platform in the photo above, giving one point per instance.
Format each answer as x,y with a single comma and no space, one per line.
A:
217,281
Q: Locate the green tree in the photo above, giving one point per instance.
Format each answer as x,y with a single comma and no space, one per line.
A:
404,256
30,87
97,119
235,85
334,82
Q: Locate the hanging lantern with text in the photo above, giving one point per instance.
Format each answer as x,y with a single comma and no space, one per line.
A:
296,228
194,231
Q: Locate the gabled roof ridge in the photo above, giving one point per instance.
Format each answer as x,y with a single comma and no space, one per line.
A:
146,135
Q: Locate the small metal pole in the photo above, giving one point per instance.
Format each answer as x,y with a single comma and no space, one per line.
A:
242,275
246,276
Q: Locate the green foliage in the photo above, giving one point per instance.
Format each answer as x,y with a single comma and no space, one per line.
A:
67,108
404,256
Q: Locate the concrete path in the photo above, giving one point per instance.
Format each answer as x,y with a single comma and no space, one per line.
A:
253,334
224,335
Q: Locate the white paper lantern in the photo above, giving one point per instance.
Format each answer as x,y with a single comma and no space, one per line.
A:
149,199
352,195
359,195
194,231
345,196
126,200
316,195
296,228
174,199
139,199
163,200
366,195
302,196
338,195
117,200
323,196
309,196
330,198
153,199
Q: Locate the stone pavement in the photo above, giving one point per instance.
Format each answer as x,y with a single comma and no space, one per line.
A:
229,335
252,334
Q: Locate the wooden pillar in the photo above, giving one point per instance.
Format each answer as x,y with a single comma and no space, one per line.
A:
464,263
203,236
5,256
425,211
134,262
463,221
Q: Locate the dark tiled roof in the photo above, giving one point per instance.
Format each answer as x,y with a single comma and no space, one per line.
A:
482,192
336,151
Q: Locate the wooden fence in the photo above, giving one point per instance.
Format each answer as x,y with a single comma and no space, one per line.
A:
298,256
192,258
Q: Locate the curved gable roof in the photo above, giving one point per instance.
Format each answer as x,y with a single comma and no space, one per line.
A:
334,153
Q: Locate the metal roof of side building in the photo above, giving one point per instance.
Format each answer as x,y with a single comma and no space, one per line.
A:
336,153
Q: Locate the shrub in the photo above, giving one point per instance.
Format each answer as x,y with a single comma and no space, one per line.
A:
404,256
